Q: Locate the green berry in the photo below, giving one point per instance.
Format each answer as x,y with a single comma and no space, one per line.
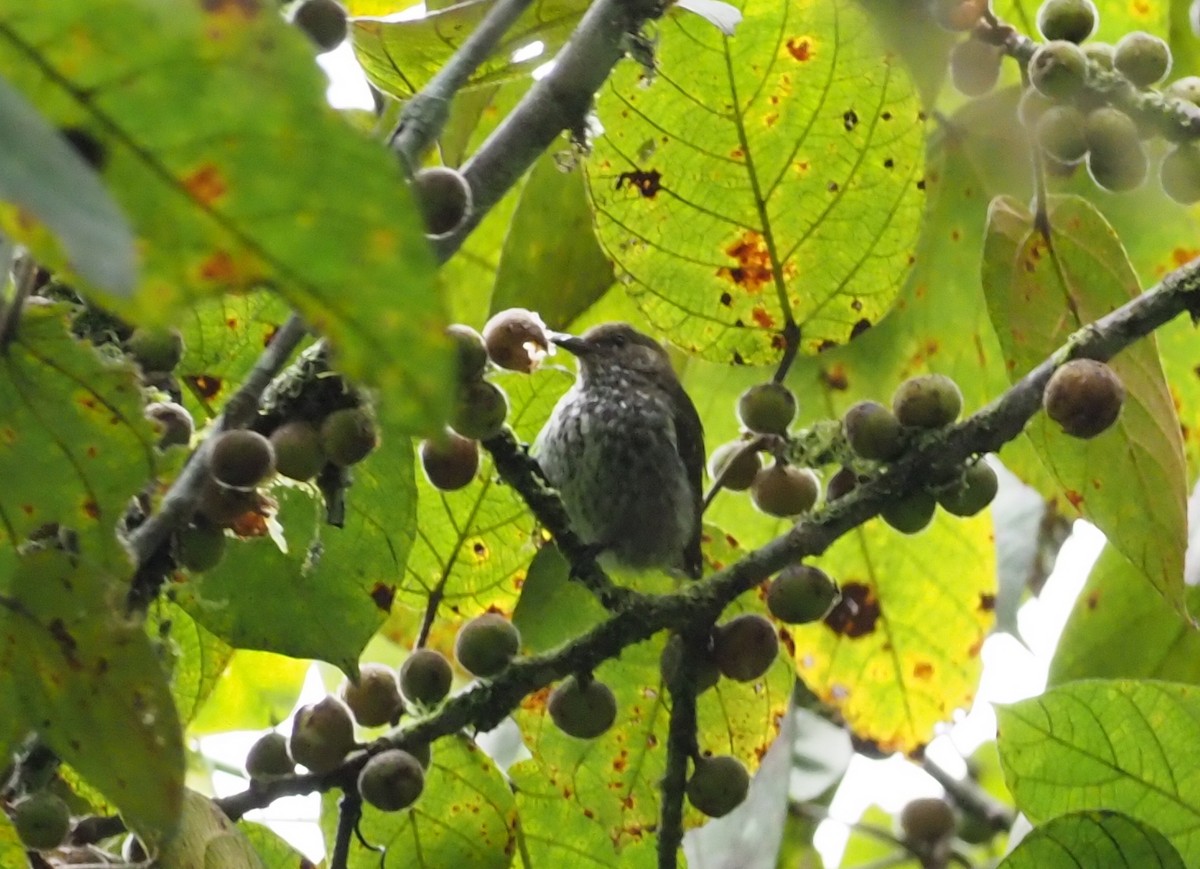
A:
743,467
199,547
584,710
173,420
516,339
1180,173
745,647
718,785
481,410
1117,160
469,351
1032,105
705,668
976,489
349,435
1060,134
927,401
1057,69
1143,59
298,452
927,821
443,196
1100,54
391,780
323,21
223,506
426,677
42,821
241,459
156,349
1084,397
873,431
1072,20
784,490
486,644
322,735
800,594
767,408
841,484
268,757
374,699
1186,89
450,462
911,513
975,67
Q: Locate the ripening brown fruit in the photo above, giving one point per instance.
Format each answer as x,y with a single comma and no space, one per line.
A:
927,820
426,677
241,459
298,452
349,435
800,594
443,196
1072,20
480,411
173,421
223,506
268,757
323,21
199,547
584,710
391,780
784,490
841,484
957,15
911,513
374,699
975,67
1143,59
42,821
1057,69
767,408
1060,133
470,353
745,647
516,339
1117,160
873,431
718,785
705,668
450,462
487,644
154,349
1180,173
927,401
976,489
1084,397
743,467
322,735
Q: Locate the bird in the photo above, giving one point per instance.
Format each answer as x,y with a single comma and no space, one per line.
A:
624,447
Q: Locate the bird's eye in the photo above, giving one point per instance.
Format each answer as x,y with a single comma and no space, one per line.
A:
618,340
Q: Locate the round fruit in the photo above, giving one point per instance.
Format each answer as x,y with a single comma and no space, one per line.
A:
422,752
928,401
927,820
704,667
156,349
974,492
1072,20
1186,89
444,197
486,644
767,408
425,677
298,452
782,490
739,468
841,484
911,513
268,757
1032,106
450,462
516,339
1057,69
322,735
469,351
1100,54
873,431
375,698
1117,160
1180,173
42,821
173,420
584,710
718,785
801,594
745,647
199,547
241,459
224,506
349,435
1143,59
975,67
481,410
957,15
391,780
1084,397
1060,133
323,21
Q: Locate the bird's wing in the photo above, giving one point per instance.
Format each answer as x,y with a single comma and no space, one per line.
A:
689,442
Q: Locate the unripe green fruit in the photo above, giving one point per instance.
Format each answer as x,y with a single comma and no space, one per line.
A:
1180,173
391,780
957,15
1060,133
583,710
1100,54
156,349
268,757
1084,397
705,668
224,506
516,339
426,677
718,785
199,547
975,67
974,492
323,21
782,490
298,452
173,420
322,735
486,644
800,594
841,484
1186,89
767,408
743,467
873,431
349,435
444,197
927,820
1032,105
1143,59
745,647
374,699
1057,69
469,352
450,462
1072,20
1116,159
241,459
42,821
481,410
928,401
911,513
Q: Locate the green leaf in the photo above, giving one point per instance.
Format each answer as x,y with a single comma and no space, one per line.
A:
255,690
1038,294
1094,840
552,609
216,140
89,681
207,839
199,657
773,174
1108,745
272,849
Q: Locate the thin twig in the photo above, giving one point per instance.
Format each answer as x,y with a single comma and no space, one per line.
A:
24,271
349,814
681,746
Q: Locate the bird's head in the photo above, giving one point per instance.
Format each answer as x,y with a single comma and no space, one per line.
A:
615,347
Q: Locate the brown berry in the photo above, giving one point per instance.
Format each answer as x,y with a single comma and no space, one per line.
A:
584,710
976,489
469,352
323,21
801,593
450,462
391,780
444,197
1084,397
322,735
173,420
426,677
745,647
268,757
718,785
927,820
349,435
298,452
928,401
767,408
739,466
784,490
873,431
241,459
375,698
516,339
486,644
911,513
481,410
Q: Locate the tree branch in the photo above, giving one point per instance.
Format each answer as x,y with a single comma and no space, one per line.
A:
681,746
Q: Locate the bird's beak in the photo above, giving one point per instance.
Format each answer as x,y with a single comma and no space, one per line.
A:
571,343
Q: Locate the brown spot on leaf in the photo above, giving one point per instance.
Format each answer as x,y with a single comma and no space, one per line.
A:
856,613
91,509
726,299
249,8
66,642
206,185
218,267
753,270
762,317
835,377
800,48
826,344
1093,599
1075,498
889,163
205,385
923,670
383,595
86,145
861,326
849,119
646,183
987,602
